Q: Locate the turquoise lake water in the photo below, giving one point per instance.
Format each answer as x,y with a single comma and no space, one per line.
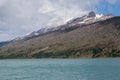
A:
60,69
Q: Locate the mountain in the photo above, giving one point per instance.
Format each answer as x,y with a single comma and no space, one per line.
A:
90,36
84,20
4,43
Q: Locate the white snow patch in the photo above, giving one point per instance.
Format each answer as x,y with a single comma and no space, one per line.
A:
99,15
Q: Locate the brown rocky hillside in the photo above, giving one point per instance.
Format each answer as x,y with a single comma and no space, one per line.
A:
98,39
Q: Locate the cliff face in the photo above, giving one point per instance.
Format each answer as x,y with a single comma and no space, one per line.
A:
98,39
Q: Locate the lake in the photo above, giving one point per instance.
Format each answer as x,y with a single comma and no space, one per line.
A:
60,69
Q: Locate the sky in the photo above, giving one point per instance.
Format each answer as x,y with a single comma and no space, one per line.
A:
20,17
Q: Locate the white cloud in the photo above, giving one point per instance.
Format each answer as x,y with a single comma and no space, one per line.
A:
2,2
6,36
19,17
48,7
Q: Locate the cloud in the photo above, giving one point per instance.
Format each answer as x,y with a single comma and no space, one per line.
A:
19,17
112,1
4,36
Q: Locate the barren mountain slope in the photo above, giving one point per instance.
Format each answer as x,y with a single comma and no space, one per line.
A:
99,39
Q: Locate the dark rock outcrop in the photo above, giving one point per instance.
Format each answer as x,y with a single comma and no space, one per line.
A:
91,14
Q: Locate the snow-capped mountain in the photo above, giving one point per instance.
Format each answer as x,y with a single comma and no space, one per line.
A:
89,19
92,17
89,36
41,31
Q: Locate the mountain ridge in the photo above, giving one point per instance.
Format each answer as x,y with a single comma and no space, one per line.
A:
92,14
97,39
97,17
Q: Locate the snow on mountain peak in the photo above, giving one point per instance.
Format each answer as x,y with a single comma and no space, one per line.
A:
92,17
99,15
